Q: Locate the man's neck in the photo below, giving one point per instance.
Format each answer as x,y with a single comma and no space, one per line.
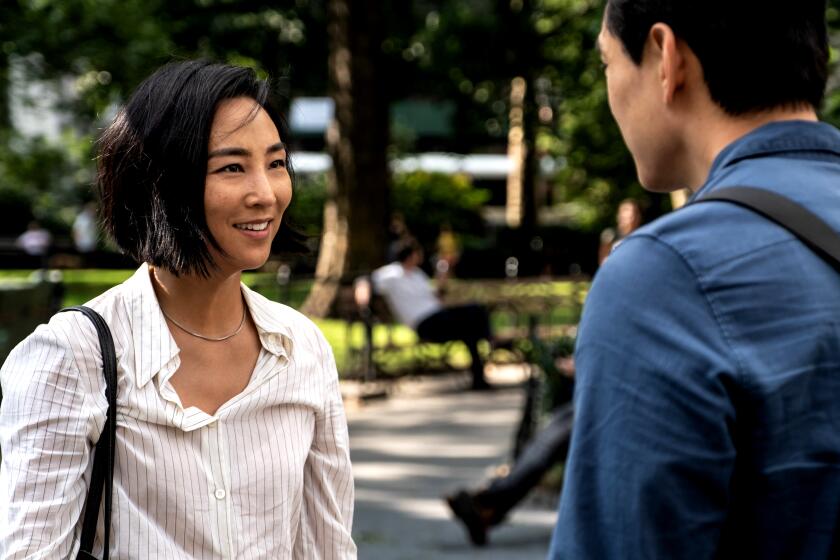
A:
720,130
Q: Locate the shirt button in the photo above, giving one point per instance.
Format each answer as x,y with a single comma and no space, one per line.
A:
220,494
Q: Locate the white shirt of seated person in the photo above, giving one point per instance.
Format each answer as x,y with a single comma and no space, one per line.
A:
408,291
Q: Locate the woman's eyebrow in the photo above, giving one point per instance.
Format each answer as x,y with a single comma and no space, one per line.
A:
228,152
279,146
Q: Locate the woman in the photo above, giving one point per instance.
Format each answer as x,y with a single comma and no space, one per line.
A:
231,438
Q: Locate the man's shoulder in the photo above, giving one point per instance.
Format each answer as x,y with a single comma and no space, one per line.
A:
681,251
716,248
390,270
682,235
710,234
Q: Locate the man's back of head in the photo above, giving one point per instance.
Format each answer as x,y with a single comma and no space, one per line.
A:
685,78
756,54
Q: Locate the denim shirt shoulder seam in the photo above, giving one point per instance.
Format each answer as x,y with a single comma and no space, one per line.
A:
739,363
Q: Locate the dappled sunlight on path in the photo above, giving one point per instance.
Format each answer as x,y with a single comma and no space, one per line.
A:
430,437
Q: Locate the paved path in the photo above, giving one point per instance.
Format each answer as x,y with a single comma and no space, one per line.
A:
429,437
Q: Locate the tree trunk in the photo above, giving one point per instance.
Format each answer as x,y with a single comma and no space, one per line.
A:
530,124
516,152
522,55
5,84
355,216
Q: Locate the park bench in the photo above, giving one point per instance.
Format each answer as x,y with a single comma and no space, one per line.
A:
520,310
388,348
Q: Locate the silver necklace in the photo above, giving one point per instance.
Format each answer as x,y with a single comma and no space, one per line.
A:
210,338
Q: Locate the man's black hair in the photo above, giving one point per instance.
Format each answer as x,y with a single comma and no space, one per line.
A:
756,54
406,248
152,163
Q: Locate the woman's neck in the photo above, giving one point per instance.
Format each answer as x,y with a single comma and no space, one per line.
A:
211,306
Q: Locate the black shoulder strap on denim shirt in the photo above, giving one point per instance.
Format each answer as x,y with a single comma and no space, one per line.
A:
803,223
102,475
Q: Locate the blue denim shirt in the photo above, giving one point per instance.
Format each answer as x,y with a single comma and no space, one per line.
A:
708,376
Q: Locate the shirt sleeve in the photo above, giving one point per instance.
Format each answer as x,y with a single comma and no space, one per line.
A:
652,452
47,423
328,492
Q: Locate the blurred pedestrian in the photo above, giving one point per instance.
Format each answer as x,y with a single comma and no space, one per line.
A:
398,234
482,509
86,229
36,241
447,255
231,438
628,218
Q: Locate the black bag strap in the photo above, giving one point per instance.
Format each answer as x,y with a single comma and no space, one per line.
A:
103,460
803,223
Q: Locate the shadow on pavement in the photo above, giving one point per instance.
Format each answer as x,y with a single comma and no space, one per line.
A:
421,443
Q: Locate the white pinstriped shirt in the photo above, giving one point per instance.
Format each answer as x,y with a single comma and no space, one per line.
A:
267,476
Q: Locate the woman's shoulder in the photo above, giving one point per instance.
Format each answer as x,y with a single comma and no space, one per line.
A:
69,338
61,353
261,304
278,317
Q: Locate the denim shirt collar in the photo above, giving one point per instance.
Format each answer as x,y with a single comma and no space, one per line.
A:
781,137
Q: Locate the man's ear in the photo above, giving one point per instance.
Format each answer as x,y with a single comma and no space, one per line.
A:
671,59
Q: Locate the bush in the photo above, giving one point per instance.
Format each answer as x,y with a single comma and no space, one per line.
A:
44,181
428,200
307,209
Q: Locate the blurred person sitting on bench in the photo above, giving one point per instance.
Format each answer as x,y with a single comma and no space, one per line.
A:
412,299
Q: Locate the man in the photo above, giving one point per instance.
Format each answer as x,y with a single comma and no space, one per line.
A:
86,229
483,509
409,294
708,360
36,241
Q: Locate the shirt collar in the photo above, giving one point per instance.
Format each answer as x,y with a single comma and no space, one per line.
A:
155,350
154,346
271,321
775,138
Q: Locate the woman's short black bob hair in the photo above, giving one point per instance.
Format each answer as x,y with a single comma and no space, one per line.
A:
152,163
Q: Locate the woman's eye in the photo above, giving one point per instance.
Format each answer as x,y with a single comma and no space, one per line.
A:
232,168
277,163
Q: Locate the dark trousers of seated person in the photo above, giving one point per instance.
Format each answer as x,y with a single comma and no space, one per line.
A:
549,447
467,323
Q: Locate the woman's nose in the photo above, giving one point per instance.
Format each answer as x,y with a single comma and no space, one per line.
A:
261,191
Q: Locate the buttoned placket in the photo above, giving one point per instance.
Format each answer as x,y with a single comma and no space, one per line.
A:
269,363
220,485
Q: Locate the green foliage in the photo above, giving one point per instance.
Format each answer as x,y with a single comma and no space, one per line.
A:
426,200
429,200
551,43
463,52
108,46
307,209
43,181
831,107
99,50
